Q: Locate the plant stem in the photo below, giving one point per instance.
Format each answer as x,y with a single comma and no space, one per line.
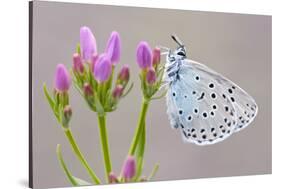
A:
140,129
80,156
140,151
65,169
155,169
105,145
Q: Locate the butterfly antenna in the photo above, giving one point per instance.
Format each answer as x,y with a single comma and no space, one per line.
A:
163,48
166,50
177,40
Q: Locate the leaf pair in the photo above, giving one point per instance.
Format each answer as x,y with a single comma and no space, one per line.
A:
72,179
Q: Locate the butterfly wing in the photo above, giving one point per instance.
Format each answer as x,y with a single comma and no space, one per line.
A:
206,106
244,105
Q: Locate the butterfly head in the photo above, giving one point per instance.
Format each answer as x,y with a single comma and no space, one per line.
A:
179,53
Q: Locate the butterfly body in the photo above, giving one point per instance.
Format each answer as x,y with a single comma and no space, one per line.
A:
203,104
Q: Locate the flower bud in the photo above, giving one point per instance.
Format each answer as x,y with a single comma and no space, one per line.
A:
129,168
102,69
151,76
117,92
113,47
62,79
144,55
88,90
67,113
87,43
77,63
112,178
156,56
124,75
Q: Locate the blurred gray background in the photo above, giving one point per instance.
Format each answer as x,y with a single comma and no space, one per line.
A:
235,45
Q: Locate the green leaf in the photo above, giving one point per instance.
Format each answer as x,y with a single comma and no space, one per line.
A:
60,112
72,179
129,89
108,101
160,96
81,182
76,85
109,82
160,69
88,101
160,76
50,101
77,78
90,78
98,105
48,97
154,170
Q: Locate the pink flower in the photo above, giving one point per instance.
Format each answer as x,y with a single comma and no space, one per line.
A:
102,68
151,76
124,74
62,78
112,178
144,55
88,90
113,48
87,43
117,92
77,63
129,168
156,56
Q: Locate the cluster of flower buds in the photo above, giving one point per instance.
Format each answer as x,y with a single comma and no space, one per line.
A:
93,72
60,100
129,172
151,72
122,81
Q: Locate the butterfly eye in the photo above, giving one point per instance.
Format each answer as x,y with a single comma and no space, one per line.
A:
180,53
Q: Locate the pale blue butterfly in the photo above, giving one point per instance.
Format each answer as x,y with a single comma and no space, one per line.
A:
203,104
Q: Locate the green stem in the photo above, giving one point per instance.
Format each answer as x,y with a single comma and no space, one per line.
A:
105,145
141,124
65,169
80,156
155,169
140,151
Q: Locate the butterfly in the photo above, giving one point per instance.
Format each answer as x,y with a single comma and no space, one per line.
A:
204,105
